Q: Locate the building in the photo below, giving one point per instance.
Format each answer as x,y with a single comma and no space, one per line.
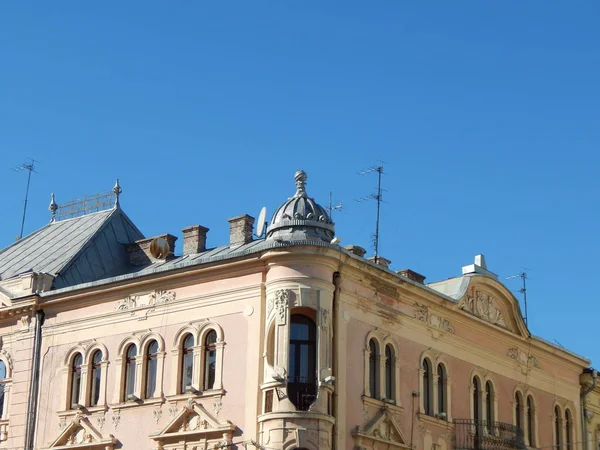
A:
113,340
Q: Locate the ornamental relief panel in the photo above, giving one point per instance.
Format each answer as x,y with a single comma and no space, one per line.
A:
484,306
149,299
423,314
525,361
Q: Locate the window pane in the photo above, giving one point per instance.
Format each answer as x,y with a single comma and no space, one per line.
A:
76,379
151,378
389,373
530,422
130,371
187,371
427,387
302,377
96,376
441,391
2,370
1,400
209,368
373,369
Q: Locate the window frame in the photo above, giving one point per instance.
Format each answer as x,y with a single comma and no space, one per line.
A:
95,382
151,359
302,389
76,370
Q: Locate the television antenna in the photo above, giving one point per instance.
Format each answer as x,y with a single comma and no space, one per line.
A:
333,207
523,290
377,196
29,167
262,222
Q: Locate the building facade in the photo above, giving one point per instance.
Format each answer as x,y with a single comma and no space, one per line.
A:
110,340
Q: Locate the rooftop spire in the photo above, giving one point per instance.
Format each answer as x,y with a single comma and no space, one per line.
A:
300,178
52,208
117,191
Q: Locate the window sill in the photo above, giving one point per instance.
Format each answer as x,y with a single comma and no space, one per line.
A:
370,401
85,410
144,402
435,421
4,421
203,394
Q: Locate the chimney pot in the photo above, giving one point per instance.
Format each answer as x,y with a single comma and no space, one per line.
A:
194,239
412,275
240,229
380,261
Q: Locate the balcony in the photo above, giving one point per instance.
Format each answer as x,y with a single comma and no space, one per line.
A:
302,392
483,435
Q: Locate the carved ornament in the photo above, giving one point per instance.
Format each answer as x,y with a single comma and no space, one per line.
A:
522,358
485,307
422,314
157,297
282,301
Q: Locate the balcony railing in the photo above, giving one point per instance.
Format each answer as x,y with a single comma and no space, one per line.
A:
484,435
302,392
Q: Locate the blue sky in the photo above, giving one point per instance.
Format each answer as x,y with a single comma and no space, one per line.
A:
485,113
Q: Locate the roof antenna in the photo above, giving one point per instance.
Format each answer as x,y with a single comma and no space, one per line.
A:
29,167
379,198
333,207
523,290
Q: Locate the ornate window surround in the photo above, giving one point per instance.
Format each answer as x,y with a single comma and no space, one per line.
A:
86,373
435,360
484,378
382,342
199,332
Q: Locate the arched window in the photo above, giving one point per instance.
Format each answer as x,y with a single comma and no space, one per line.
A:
2,387
187,363
302,375
476,399
151,369
389,372
427,388
210,359
130,371
96,378
489,405
518,407
373,369
76,379
530,421
568,429
441,390
557,427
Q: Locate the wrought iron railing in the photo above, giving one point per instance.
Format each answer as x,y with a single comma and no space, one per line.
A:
302,392
472,434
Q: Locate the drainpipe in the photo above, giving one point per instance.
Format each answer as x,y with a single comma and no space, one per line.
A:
35,381
337,282
583,410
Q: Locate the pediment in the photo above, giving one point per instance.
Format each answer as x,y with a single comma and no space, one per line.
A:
383,432
80,433
194,421
490,301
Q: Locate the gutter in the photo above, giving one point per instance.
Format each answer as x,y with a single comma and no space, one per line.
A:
583,410
32,404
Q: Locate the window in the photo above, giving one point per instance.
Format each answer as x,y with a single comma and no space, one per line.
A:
518,407
557,427
530,421
476,399
427,388
76,379
187,363
130,355
210,359
568,430
2,387
489,405
302,375
151,369
96,377
441,391
373,369
390,362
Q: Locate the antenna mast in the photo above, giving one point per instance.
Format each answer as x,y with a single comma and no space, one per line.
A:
333,207
523,290
29,167
379,198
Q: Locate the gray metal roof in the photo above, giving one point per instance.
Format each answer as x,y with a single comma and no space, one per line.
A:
77,250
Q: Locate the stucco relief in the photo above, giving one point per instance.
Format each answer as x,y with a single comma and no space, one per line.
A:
145,300
383,429
484,306
422,313
522,358
281,304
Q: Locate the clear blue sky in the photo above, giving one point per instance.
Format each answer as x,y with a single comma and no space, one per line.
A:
485,113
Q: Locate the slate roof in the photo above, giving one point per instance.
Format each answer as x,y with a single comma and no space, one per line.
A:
77,250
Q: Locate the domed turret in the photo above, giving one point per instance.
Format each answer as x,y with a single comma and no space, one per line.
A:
300,217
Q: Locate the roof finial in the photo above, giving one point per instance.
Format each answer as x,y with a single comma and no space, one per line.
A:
300,178
52,208
117,191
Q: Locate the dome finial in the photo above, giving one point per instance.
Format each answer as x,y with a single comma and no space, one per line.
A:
300,178
53,208
117,191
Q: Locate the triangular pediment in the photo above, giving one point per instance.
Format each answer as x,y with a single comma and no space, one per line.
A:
80,433
194,420
489,300
383,432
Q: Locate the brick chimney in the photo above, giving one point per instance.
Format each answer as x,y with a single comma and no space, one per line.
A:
381,261
412,275
355,249
139,251
240,229
194,239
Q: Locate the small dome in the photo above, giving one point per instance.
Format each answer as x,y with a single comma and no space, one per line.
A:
300,217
